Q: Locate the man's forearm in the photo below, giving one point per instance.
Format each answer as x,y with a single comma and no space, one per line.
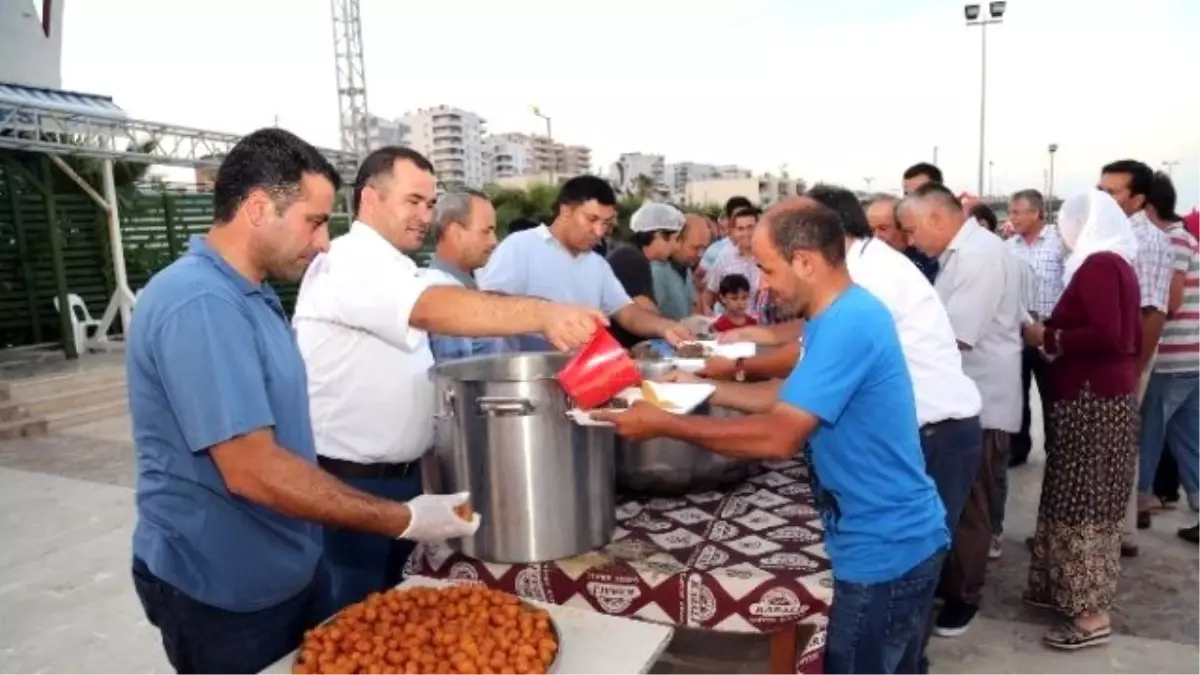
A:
748,397
774,363
451,310
751,437
640,321
1152,327
293,487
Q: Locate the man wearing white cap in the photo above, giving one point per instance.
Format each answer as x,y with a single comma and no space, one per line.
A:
655,228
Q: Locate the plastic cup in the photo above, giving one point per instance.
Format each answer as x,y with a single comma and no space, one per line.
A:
598,372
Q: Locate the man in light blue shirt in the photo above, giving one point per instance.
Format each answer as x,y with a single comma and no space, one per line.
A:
850,399
674,285
464,231
557,263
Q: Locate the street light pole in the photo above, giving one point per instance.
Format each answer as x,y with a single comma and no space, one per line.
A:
1170,166
1050,186
991,178
868,180
974,18
550,139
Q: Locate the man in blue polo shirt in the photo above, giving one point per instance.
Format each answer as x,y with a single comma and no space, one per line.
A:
227,546
851,400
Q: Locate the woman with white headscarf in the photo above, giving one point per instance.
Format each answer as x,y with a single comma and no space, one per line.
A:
1092,339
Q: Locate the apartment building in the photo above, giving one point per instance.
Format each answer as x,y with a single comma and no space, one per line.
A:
516,154
382,131
453,139
764,190
679,174
630,165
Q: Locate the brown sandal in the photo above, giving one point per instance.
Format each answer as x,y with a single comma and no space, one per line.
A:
1069,636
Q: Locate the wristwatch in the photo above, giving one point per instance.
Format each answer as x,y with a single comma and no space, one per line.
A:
739,373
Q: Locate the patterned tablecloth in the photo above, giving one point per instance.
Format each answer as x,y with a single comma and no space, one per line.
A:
747,559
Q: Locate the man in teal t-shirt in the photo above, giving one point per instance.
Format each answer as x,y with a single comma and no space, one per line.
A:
850,400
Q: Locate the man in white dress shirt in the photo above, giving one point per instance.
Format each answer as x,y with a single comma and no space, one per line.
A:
362,320
979,281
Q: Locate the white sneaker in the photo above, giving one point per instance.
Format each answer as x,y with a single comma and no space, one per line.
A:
994,551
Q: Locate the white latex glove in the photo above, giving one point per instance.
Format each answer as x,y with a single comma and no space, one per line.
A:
433,518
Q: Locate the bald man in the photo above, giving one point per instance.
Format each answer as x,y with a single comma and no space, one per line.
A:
673,285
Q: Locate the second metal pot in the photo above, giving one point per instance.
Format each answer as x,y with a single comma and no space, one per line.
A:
666,466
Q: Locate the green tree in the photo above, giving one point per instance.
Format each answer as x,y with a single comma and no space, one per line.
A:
643,187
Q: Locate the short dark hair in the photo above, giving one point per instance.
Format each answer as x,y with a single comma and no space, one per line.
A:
734,203
1034,198
808,227
582,189
1162,197
935,191
743,211
986,216
733,283
273,160
644,239
923,169
846,205
380,162
1140,175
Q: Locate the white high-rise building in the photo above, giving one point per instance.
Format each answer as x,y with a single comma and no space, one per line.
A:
630,166
452,138
679,174
516,154
382,131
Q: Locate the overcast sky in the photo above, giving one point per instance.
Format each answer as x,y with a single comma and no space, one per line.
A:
837,91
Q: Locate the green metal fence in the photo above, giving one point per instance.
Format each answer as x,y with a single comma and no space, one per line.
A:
155,228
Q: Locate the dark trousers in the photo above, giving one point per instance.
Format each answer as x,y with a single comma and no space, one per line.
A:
1166,479
966,566
361,563
880,628
1033,369
952,452
200,638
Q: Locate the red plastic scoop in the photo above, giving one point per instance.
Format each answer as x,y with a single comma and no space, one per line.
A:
598,372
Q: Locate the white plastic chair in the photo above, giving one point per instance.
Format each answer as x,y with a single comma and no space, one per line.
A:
82,322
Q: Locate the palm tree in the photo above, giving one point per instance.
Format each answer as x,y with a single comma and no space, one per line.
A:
643,186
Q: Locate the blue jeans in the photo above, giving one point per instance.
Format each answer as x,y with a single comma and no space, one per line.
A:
880,628
1171,416
952,451
200,638
361,563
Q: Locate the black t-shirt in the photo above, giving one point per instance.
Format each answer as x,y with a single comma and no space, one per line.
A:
632,269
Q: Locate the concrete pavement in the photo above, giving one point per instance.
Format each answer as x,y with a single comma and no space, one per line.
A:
67,603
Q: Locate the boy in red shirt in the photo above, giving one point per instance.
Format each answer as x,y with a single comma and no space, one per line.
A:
734,291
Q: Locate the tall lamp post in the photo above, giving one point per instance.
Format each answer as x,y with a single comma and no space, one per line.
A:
1050,184
868,180
1170,167
974,17
549,137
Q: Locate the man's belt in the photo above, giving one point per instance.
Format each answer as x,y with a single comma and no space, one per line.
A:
344,469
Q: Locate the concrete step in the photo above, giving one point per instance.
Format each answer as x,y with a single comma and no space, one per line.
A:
92,413
40,387
74,398
29,426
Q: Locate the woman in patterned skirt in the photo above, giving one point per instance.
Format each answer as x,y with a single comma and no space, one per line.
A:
1092,340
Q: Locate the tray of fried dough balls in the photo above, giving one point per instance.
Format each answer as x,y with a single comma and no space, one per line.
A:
456,629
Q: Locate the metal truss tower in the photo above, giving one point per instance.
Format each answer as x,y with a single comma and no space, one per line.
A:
351,76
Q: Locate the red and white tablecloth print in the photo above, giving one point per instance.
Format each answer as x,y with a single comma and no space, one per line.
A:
746,559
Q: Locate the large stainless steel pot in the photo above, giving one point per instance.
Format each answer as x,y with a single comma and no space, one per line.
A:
542,484
665,466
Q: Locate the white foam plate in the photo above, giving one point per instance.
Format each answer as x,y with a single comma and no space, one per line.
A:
735,350
685,397
688,365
